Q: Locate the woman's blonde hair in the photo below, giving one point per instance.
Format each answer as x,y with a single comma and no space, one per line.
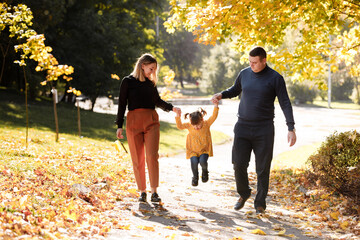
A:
138,72
196,117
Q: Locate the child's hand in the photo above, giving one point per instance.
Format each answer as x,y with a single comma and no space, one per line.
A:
216,98
177,111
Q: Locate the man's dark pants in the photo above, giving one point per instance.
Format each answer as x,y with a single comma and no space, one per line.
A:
258,137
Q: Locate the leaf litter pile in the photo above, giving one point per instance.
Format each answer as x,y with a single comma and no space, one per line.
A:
59,190
66,190
313,208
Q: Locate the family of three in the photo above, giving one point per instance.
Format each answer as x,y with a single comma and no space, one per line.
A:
257,86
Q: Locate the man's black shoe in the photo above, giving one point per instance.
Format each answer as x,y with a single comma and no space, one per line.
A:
142,197
260,210
240,203
205,176
195,181
155,197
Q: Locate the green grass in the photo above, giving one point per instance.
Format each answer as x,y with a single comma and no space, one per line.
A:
295,159
336,104
93,125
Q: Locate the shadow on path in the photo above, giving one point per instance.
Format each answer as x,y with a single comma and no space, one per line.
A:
205,211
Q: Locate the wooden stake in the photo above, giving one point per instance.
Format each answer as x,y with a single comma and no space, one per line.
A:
26,111
78,111
54,92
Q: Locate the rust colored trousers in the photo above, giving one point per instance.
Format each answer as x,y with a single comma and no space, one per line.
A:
143,135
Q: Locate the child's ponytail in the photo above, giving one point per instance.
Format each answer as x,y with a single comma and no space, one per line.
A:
203,112
196,117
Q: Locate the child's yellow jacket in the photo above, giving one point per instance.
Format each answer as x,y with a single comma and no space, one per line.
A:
198,141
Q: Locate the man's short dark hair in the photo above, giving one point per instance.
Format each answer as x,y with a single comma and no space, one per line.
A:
258,51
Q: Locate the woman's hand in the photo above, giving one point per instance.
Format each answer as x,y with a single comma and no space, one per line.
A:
177,111
119,133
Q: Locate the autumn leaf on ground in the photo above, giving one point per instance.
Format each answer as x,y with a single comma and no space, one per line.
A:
282,232
186,234
147,228
123,227
258,231
335,215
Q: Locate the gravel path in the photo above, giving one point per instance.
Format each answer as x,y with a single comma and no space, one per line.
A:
206,211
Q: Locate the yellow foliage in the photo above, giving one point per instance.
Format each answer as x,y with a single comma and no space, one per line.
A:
18,19
114,76
266,23
169,78
166,93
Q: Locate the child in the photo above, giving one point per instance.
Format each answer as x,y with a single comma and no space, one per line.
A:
198,141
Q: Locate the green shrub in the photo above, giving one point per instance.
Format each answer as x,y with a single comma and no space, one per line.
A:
341,90
302,93
337,163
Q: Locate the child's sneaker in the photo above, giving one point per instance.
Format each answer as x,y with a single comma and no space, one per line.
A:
195,181
205,176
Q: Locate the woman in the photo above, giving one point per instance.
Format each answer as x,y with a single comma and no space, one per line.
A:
138,91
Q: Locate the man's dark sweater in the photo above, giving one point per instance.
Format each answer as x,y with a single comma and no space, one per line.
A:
258,92
136,95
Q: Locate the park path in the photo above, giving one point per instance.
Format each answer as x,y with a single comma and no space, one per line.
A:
206,211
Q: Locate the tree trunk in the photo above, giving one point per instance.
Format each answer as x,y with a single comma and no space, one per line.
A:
4,53
357,91
93,100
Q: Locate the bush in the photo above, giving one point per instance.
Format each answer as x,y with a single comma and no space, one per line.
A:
302,93
337,163
341,90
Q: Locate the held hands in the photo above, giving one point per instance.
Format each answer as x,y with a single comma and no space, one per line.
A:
177,111
119,133
216,98
291,138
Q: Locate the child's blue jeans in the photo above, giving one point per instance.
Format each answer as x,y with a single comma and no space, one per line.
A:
203,163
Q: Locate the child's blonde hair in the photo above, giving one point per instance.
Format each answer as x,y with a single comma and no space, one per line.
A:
196,117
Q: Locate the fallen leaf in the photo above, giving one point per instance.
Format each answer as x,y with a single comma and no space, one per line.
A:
282,233
344,225
186,234
147,228
258,231
335,215
124,227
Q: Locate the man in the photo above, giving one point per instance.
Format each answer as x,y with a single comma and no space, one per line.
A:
258,86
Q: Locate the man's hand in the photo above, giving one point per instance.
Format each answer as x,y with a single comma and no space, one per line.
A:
216,98
291,138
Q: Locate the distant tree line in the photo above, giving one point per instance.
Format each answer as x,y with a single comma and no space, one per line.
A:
99,38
